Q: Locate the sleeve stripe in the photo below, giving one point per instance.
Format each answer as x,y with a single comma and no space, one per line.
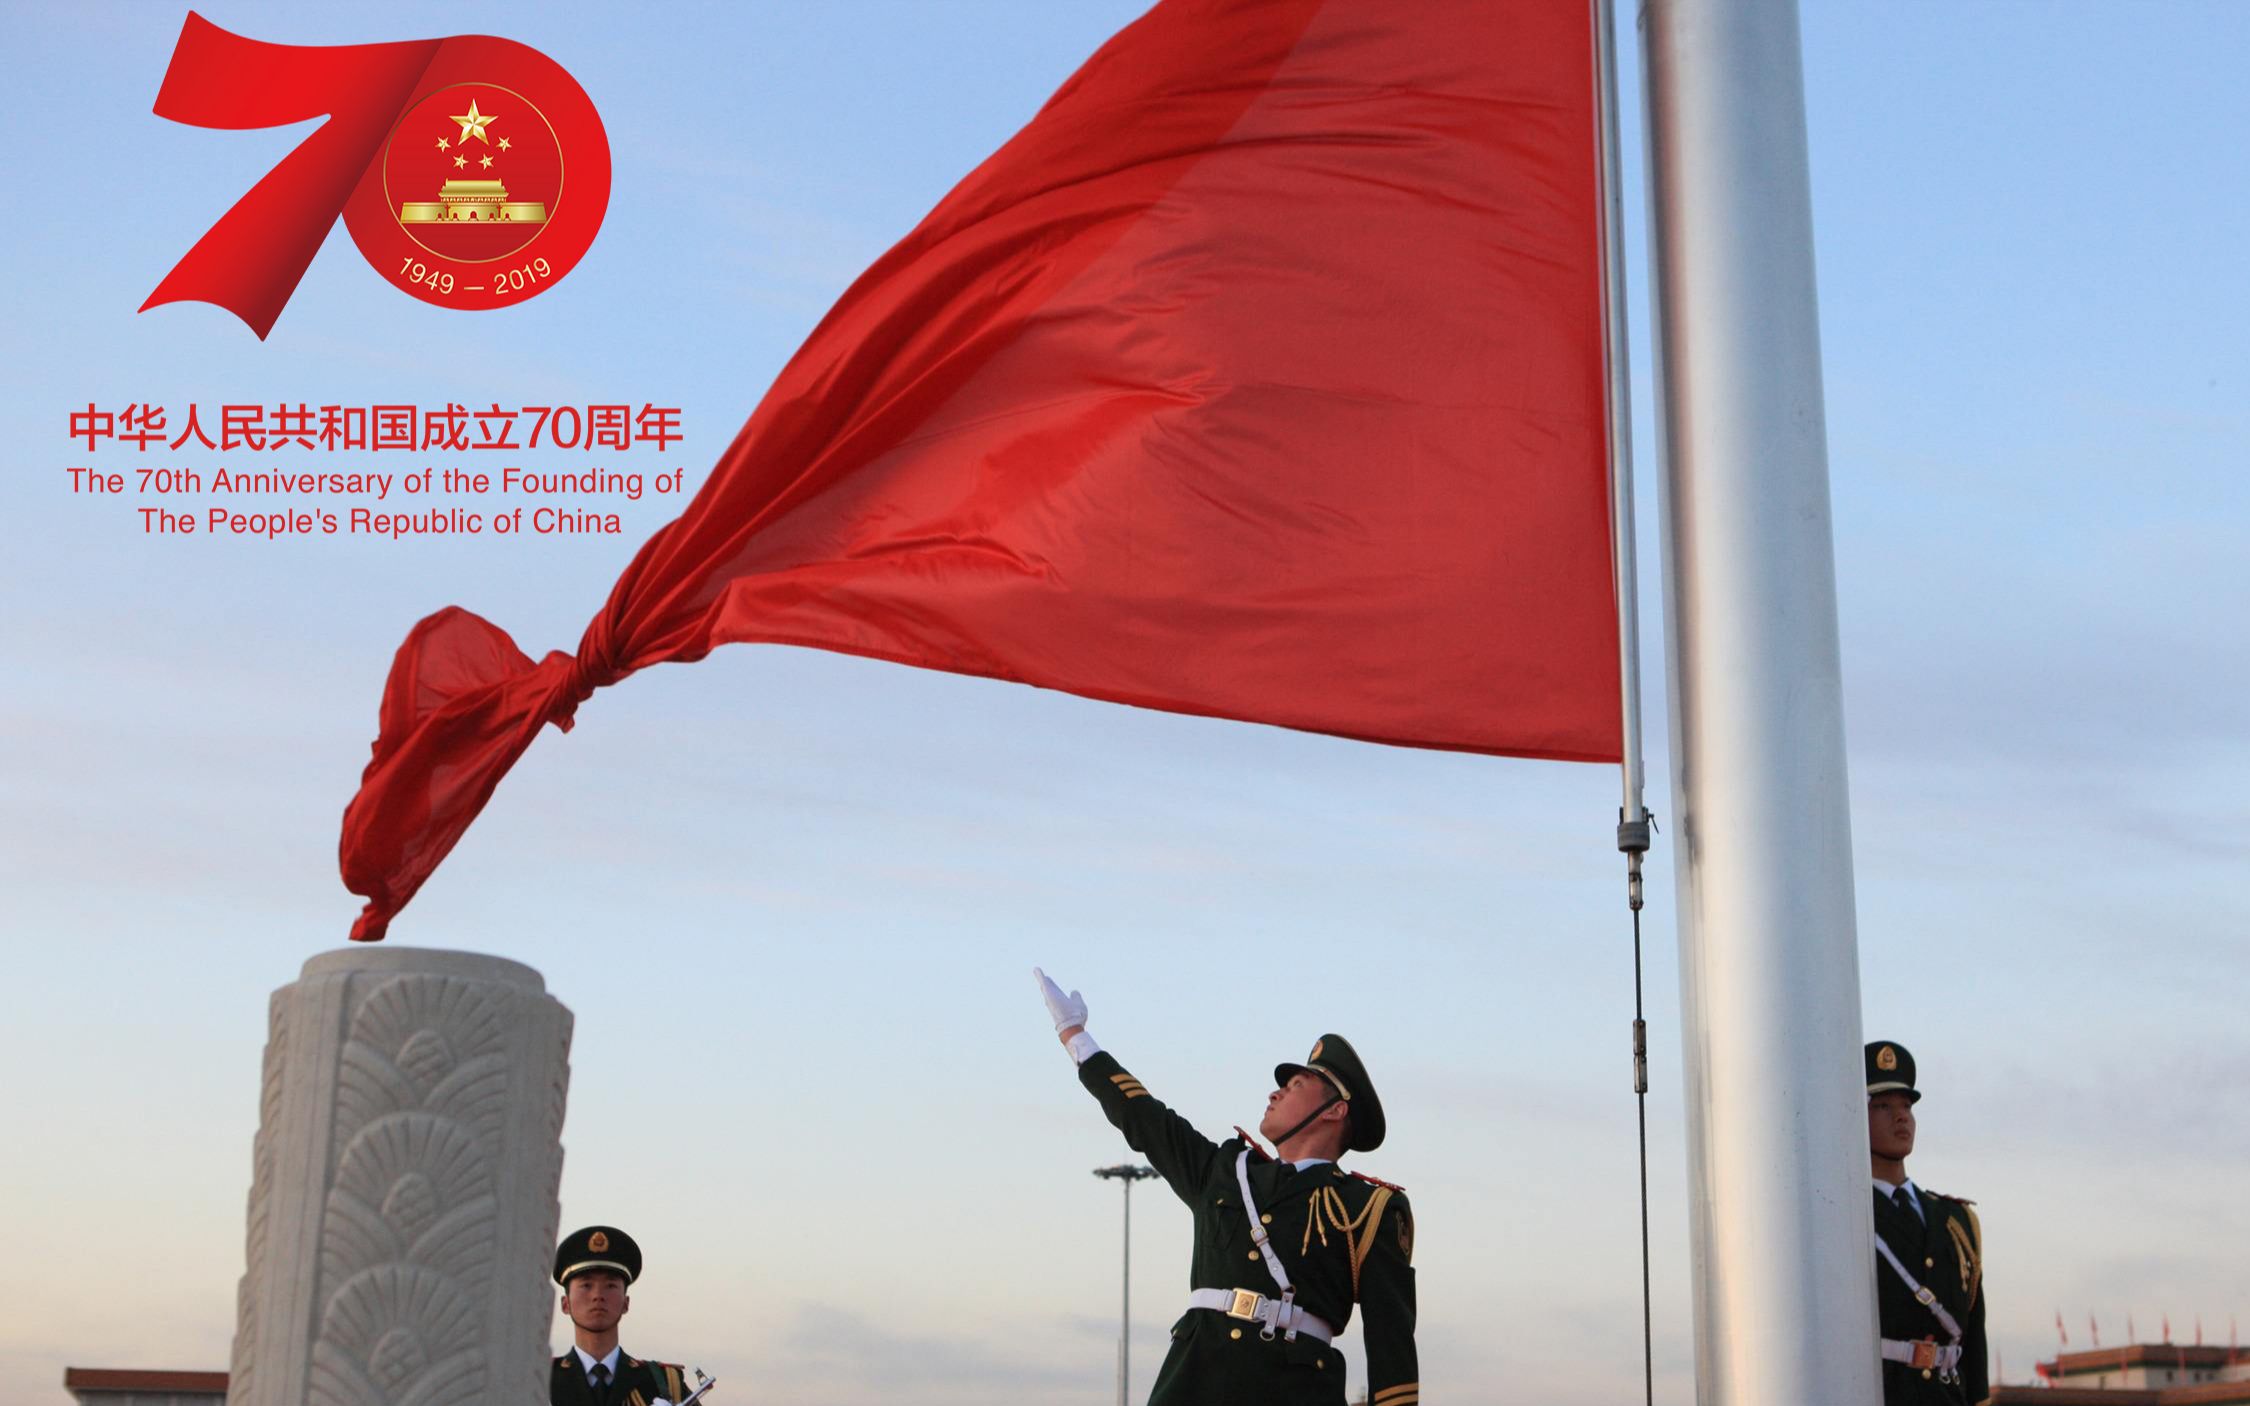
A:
1404,1394
1136,1093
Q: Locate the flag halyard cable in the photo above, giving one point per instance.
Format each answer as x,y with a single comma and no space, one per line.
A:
1635,825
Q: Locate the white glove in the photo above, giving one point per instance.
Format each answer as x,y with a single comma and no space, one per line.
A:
1067,1010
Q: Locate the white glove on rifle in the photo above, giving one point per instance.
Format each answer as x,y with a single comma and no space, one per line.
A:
1070,1015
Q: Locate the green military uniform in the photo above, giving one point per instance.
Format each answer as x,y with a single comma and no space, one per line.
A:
1942,1251
1342,1238
638,1383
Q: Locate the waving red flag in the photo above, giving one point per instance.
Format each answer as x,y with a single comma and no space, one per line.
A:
1259,376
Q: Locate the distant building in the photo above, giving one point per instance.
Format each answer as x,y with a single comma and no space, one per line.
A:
2145,1374
110,1386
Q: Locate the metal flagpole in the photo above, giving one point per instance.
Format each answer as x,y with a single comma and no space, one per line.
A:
1623,550
1784,1273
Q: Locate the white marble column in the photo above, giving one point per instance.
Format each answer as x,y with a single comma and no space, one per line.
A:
404,1185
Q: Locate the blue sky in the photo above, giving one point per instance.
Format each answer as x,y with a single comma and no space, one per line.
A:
794,898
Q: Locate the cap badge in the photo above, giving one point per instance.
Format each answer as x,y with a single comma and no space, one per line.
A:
1886,1058
1316,1048
599,1241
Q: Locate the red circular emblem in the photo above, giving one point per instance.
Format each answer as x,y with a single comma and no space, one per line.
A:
491,184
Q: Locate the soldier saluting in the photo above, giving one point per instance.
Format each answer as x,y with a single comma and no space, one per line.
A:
1284,1244
595,1266
1929,1257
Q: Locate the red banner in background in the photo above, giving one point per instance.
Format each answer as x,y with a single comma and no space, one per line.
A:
1260,376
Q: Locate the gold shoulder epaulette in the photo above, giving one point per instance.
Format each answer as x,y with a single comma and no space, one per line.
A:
1252,1143
1376,1181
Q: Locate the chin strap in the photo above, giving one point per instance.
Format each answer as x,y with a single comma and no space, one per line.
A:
1306,1122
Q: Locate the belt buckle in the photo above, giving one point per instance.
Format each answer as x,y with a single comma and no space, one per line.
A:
1245,1305
1925,1354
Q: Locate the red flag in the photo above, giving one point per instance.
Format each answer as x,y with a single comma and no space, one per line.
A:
1258,377
2060,1331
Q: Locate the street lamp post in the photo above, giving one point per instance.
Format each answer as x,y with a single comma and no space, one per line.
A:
1127,1173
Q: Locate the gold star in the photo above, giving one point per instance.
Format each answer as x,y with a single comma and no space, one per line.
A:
441,143
473,123
503,143
460,162
485,162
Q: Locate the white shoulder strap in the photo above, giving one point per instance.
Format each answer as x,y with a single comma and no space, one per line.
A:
1922,1296
1258,1227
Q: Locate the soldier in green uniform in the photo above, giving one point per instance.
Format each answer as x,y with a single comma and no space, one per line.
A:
1929,1257
595,1266
1285,1244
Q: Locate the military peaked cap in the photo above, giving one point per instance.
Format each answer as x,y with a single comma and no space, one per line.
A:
598,1247
1334,1059
1890,1070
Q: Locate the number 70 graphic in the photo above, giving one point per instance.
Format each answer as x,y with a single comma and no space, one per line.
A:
473,172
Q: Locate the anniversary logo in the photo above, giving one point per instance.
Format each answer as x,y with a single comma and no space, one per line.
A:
474,201
446,159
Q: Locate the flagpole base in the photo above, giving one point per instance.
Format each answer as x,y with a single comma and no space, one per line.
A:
403,1199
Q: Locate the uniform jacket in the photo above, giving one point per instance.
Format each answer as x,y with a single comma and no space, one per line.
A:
638,1382
1342,1238
1944,1250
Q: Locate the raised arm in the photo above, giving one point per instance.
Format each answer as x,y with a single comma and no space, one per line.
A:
1180,1154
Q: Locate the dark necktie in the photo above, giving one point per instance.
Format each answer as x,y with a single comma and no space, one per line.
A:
601,1381
1905,1203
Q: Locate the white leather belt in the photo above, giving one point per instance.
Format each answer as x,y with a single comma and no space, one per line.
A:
1925,1354
1275,1315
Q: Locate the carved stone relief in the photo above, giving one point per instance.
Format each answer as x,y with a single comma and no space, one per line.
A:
423,1108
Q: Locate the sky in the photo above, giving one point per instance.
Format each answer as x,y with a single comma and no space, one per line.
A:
793,898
